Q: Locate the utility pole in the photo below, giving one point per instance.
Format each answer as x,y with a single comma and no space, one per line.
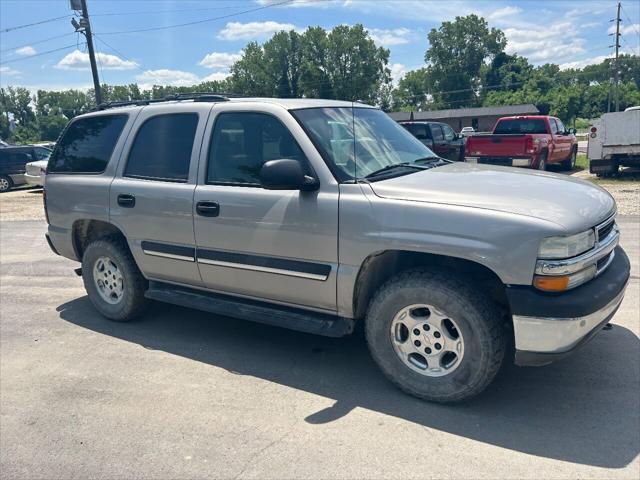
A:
616,68
85,28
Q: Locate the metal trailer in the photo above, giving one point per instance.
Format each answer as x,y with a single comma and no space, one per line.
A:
614,142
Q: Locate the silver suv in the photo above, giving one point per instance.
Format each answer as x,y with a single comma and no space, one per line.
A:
317,214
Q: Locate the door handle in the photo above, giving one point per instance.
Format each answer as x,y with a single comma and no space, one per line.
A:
208,209
126,200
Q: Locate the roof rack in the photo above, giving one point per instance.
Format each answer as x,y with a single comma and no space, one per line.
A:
196,97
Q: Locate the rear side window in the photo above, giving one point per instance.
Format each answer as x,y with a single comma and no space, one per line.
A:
162,148
242,142
87,144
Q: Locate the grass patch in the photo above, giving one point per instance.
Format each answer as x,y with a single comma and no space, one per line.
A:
582,162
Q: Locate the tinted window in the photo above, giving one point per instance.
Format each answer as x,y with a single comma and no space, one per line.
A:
449,134
242,142
436,131
162,148
87,145
521,126
561,127
16,157
554,125
418,130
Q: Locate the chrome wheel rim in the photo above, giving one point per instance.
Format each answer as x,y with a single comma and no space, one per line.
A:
4,184
108,280
427,340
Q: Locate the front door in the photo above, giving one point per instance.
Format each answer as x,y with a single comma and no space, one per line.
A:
151,198
275,245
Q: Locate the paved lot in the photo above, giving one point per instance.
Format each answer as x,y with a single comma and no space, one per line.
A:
183,394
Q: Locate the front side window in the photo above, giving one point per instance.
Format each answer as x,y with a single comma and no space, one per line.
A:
242,142
87,144
162,148
561,127
449,134
370,140
554,126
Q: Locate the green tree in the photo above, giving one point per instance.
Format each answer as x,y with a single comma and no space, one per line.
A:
411,94
457,52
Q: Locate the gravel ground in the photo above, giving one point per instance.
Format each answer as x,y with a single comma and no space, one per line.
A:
625,189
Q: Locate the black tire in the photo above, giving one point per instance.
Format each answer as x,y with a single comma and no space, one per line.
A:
133,302
479,322
542,161
570,163
6,183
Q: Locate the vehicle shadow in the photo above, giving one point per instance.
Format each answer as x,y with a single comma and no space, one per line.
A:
582,410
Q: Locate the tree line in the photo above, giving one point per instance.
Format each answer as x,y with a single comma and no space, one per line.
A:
466,65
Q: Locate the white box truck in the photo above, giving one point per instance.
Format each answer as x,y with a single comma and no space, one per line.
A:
614,142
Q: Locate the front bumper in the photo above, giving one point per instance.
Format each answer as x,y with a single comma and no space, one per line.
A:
548,327
525,162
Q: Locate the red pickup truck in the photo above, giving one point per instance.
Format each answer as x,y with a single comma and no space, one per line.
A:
533,141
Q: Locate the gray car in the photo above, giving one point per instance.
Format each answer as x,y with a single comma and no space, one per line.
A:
317,214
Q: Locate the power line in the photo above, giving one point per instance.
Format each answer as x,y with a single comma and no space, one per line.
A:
151,12
631,22
55,19
117,52
222,17
38,54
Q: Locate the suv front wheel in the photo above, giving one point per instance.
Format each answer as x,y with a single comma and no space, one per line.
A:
113,281
435,336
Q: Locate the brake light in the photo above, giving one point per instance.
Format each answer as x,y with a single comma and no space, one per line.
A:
594,129
529,145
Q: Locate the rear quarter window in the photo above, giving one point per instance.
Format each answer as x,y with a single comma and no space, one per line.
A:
87,144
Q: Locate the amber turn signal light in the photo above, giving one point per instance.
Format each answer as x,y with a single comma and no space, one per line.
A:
551,284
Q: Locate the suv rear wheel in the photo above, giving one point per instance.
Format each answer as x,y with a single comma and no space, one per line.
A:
113,281
434,336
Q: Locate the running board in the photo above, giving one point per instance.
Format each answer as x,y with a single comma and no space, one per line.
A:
252,310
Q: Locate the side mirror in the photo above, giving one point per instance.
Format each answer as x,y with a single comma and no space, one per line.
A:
571,131
286,174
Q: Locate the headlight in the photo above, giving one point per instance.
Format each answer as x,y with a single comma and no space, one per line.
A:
566,247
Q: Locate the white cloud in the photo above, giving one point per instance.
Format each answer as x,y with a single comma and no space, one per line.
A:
253,30
504,12
26,51
584,62
304,3
398,70
9,72
164,76
555,42
632,29
78,60
220,59
215,77
387,38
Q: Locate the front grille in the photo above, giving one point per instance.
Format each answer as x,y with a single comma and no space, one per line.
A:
605,229
603,261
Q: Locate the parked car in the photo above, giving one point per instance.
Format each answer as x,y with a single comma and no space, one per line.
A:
439,137
614,142
252,209
35,172
533,141
466,131
13,161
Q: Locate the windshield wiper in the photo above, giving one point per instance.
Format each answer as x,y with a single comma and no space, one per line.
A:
433,159
394,166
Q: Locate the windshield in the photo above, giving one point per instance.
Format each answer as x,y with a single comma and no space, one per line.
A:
379,141
520,126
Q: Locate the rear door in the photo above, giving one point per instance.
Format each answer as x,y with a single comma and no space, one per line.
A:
454,145
151,197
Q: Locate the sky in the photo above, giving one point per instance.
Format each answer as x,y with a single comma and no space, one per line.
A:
49,55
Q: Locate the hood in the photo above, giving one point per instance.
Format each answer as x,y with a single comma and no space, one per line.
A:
571,203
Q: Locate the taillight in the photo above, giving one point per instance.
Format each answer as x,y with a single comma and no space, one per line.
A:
529,145
593,132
